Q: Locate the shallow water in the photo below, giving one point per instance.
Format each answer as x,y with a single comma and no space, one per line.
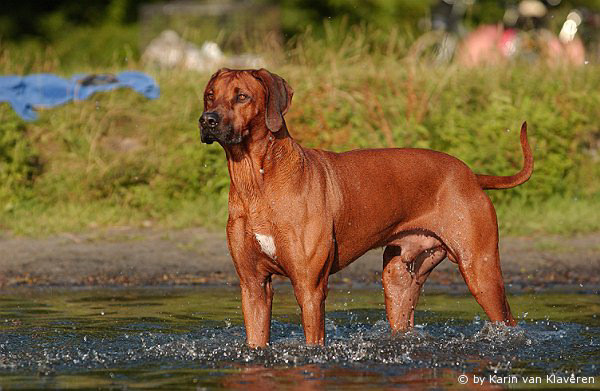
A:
194,337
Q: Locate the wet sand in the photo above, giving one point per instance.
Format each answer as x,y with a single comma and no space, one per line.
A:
137,257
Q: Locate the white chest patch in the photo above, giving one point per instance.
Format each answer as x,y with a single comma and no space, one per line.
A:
267,245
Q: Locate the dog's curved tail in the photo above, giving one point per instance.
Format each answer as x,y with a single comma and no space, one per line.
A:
493,182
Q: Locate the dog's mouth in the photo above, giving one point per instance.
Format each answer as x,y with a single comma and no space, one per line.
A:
207,138
226,137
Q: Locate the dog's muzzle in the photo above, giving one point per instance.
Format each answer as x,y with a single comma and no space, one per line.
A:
213,129
209,125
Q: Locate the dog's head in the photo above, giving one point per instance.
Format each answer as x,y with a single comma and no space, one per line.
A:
239,102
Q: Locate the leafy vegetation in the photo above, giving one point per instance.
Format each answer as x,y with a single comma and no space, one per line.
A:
118,158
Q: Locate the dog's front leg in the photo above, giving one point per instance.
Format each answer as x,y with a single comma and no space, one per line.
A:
310,287
255,283
311,298
257,299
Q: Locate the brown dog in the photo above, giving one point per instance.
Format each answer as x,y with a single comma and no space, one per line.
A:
307,213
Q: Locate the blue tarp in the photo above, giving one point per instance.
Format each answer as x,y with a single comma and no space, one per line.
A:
25,93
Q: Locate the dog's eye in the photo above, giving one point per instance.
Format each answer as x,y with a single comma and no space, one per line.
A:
242,97
210,96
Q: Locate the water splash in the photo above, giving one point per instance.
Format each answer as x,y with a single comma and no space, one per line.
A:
358,340
448,345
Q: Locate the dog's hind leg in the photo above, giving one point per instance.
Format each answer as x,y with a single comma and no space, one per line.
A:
403,276
475,246
480,268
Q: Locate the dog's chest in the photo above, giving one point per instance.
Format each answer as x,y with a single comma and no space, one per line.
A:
266,244
261,228
260,223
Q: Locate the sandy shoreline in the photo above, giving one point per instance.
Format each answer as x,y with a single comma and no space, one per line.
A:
139,257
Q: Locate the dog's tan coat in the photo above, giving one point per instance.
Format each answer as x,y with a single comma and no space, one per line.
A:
306,213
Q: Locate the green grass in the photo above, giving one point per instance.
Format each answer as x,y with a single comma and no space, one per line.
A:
119,159
562,216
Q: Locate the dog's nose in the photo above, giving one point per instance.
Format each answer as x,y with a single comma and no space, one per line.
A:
209,120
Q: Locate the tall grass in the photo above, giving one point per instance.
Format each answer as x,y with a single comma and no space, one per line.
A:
118,158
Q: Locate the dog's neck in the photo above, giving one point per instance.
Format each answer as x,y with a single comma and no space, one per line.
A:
263,157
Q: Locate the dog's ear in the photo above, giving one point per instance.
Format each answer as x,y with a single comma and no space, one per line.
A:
279,98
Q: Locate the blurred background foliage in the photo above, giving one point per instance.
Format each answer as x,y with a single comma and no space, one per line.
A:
52,19
121,159
102,32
